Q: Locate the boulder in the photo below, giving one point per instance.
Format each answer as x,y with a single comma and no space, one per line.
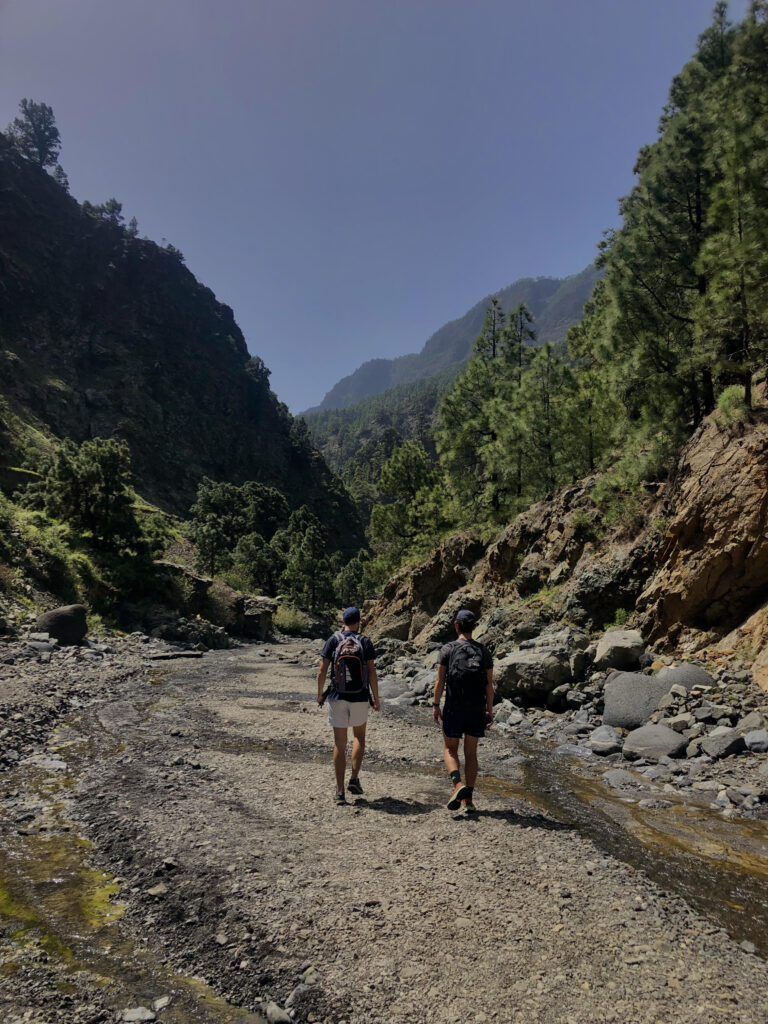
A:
685,675
619,778
757,741
619,648
722,742
631,698
654,742
754,720
536,671
605,740
67,624
253,617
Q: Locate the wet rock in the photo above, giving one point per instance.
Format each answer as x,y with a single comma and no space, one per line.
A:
757,741
67,624
723,742
654,742
685,675
631,698
620,648
619,778
605,740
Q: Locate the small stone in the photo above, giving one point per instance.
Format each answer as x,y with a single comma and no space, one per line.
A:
161,1003
158,890
138,1013
747,946
277,1015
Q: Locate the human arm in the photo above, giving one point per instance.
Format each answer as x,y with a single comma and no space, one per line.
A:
439,687
373,682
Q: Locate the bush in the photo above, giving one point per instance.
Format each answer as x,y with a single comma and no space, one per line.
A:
291,620
731,407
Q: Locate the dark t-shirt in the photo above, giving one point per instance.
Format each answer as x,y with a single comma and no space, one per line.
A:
444,657
368,654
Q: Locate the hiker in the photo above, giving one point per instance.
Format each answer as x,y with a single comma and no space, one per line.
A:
353,686
467,668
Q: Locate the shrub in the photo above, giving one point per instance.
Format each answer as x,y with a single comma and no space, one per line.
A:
731,407
291,620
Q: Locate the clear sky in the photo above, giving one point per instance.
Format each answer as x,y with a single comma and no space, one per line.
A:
348,175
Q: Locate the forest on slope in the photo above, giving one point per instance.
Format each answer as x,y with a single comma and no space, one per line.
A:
675,328
555,302
131,414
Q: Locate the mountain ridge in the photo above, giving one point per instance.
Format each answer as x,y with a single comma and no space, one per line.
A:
556,303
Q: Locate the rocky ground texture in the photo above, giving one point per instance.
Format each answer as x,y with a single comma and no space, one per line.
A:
203,786
692,728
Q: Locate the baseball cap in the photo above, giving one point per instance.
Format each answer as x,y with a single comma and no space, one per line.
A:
466,619
351,615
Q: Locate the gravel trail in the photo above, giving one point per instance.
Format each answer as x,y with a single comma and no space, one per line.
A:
209,796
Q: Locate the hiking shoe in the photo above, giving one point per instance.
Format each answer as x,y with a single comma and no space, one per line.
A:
339,798
460,792
469,807
354,787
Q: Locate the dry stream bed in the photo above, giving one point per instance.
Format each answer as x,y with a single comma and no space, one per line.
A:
172,851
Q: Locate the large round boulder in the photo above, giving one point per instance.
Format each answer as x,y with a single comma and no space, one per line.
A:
631,698
67,624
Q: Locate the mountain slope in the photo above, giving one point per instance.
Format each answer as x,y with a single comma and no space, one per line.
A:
555,303
105,334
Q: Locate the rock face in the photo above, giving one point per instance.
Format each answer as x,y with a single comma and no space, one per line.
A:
412,597
655,742
631,698
67,624
713,560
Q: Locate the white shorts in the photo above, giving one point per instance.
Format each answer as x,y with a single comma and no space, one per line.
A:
343,713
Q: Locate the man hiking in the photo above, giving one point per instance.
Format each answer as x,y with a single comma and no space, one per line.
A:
467,669
354,684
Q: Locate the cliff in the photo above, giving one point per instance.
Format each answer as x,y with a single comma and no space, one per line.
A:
104,334
693,576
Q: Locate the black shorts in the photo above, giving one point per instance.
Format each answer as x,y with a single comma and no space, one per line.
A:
458,722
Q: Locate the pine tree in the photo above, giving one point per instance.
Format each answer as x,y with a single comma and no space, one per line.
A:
35,134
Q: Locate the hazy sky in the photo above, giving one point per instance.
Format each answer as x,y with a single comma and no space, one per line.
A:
348,175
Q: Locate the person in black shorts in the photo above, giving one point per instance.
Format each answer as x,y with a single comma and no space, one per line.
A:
465,671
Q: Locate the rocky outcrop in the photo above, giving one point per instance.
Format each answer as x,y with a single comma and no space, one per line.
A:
414,596
712,564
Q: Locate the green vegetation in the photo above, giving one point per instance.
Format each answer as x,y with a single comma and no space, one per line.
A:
676,327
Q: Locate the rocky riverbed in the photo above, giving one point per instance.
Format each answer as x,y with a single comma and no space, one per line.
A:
184,806
639,720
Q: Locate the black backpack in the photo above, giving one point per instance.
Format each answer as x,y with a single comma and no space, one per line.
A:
350,669
466,679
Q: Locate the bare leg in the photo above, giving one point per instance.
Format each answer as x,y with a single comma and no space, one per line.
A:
470,759
339,756
451,753
358,748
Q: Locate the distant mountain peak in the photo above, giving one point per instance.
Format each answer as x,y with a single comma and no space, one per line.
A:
556,303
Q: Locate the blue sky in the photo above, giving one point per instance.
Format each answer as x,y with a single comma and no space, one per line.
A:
348,175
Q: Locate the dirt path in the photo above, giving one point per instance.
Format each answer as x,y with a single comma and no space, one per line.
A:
210,797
